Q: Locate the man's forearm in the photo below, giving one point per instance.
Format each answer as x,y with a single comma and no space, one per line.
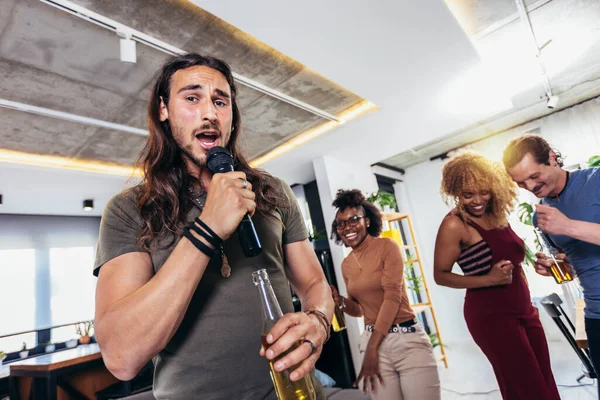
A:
585,231
318,296
134,329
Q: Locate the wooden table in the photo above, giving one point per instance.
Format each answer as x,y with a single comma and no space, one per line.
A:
48,369
580,334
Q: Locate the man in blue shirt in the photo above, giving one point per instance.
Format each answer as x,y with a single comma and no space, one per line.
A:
569,212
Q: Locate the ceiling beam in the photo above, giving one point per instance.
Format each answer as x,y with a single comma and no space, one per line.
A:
46,112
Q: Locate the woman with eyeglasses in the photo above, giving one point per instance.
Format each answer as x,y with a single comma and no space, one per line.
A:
476,235
398,357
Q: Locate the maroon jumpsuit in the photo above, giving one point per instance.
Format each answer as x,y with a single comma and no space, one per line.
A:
506,326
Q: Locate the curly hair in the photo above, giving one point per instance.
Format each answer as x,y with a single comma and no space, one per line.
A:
472,171
354,198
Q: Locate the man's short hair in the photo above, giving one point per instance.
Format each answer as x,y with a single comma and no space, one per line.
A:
535,145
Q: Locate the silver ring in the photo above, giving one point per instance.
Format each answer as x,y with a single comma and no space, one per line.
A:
245,184
312,346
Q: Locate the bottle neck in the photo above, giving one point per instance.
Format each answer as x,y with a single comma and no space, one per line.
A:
270,306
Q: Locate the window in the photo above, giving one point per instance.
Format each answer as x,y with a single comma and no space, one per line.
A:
15,343
72,285
17,285
45,275
63,334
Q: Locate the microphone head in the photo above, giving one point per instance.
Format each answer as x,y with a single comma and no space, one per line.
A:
219,159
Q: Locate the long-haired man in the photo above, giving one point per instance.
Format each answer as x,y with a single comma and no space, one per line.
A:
188,301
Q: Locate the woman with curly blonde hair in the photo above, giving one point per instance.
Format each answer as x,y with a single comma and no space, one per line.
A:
476,235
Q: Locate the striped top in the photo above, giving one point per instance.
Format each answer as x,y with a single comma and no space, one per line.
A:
476,259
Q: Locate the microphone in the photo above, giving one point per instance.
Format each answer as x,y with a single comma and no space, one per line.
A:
219,160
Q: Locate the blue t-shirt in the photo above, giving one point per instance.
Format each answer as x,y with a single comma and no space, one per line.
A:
580,200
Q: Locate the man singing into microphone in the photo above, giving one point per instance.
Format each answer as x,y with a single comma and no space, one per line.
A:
186,302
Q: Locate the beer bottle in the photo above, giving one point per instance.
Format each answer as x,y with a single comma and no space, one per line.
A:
338,323
560,270
285,388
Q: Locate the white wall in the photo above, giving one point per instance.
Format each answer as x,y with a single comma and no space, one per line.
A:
53,191
574,131
420,197
331,175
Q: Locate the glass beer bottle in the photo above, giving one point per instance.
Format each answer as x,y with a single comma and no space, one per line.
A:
560,270
338,323
285,388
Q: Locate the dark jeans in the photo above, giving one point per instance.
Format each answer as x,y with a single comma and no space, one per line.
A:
592,328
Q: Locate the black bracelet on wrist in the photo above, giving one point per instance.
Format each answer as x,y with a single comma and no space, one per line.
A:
215,242
207,228
198,243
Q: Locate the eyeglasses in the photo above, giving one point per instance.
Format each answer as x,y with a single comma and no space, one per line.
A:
352,221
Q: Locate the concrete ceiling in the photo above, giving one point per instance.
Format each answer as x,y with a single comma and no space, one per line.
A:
52,59
404,56
397,54
570,31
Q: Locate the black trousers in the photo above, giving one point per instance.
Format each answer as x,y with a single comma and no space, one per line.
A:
592,328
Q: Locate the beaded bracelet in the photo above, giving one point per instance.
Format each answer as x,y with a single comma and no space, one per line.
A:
322,318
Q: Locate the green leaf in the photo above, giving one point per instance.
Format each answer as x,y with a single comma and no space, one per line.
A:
382,199
525,213
435,340
594,161
414,282
529,256
316,235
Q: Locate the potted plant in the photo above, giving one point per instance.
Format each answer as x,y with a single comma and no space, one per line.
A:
594,161
525,214
414,281
24,353
83,329
2,356
384,200
49,347
435,340
314,236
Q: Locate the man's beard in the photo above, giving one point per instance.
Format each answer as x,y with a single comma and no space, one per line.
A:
199,161
178,135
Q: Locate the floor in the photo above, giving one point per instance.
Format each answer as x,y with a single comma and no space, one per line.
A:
468,361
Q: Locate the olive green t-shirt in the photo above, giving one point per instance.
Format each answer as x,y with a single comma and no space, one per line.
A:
214,353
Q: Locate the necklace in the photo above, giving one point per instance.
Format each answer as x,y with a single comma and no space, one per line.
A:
196,197
360,268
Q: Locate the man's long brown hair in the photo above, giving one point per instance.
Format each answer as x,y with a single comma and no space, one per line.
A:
162,197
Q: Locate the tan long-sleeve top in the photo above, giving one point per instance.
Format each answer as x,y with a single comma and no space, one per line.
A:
374,277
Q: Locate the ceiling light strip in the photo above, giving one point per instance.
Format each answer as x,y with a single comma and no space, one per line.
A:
313,133
46,112
141,37
16,157
38,160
